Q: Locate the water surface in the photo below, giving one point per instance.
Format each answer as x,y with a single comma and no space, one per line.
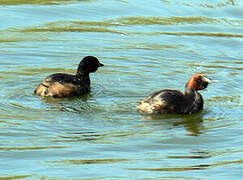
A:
145,46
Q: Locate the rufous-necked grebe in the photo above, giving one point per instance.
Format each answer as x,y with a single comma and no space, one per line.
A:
65,85
169,101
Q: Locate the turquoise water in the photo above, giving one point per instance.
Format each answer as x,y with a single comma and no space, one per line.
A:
145,46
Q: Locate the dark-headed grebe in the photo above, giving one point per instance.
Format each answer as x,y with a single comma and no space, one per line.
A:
169,101
65,85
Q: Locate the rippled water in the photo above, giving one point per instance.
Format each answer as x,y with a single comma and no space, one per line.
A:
145,46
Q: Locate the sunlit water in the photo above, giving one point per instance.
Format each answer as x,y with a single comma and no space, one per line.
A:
145,46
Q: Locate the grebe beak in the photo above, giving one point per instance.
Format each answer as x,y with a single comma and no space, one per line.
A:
208,80
100,64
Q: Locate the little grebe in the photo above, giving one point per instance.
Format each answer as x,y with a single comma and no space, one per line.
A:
169,101
65,85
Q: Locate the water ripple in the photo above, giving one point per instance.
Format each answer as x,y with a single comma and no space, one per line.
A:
40,2
189,168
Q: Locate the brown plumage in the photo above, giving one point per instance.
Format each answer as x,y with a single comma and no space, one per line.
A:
65,85
169,101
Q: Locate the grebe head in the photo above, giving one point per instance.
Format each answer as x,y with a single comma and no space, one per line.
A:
198,82
88,65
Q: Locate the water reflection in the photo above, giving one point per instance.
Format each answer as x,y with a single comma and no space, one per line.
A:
78,104
192,122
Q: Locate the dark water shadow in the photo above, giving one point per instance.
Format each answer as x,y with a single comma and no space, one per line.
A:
76,104
191,122
52,100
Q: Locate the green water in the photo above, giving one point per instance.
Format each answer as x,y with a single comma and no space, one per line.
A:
145,46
